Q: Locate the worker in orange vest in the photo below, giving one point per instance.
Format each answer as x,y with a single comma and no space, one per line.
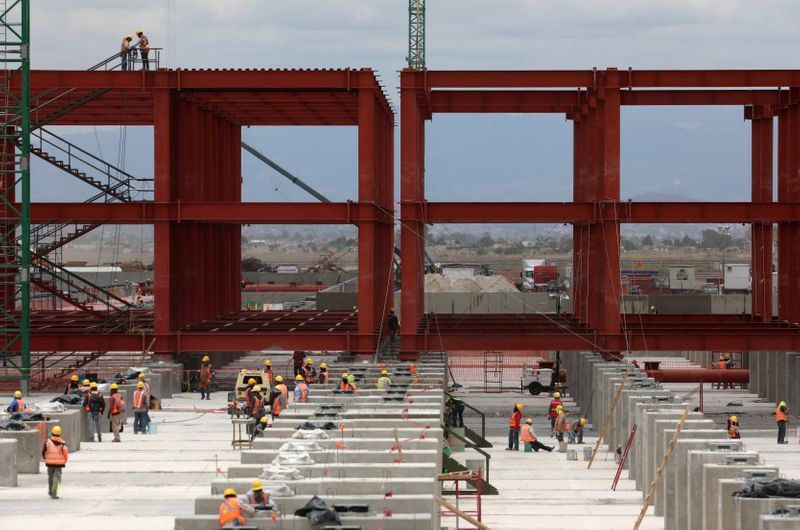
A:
144,48
248,397
116,411
733,428
513,428
257,497
17,403
140,405
55,454
278,397
529,440
206,374
73,385
268,371
324,376
781,417
231,511
344,384
300,390
552,414
561,423
308,371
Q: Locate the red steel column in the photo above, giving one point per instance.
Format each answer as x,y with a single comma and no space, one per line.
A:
761,161
787,232
367,233
412,190
579,239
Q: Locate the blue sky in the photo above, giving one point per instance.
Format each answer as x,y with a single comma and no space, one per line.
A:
695,153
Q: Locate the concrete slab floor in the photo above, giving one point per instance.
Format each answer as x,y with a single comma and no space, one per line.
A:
143,482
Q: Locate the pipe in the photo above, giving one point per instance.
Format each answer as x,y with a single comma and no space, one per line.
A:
737,375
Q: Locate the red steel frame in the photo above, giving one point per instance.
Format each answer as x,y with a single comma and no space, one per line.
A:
198,211
592,99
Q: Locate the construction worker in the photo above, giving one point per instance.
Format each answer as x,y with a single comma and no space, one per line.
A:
781,417
733,428
85,387
257,497
653,310
270,377
73,385
575,432
323,374
125,51
116,411
17,403
232,512
552,414
300,390
140,407
513,428
143,379
283,389
257,410
144,48
297,360
94,405
344,384
248,397
457,412
351,380
529,440
384,380
277,398
206,374
55,455
393,324
560,425
263,424
309,372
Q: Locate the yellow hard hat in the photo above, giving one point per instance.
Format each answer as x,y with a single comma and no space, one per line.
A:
529,421
140,385
129,37
263,419
138,32
230,492
782,404
251,381
85,382
310,360
73,378
324,365
141,375
17,394
583,422
257,388
279,378
519,406
93,385
114,386
267,363
734,418
257,485
721,357
384,372
557,395
205,357
298,377
57,430
344,374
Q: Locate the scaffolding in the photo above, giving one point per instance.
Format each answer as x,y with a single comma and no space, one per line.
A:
15,227
492,371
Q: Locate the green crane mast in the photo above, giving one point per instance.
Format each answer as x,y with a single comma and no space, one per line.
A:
416,34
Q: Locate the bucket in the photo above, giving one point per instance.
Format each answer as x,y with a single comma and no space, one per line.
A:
587,453
572,454
152,428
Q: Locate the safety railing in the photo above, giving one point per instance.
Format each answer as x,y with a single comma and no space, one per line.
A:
134,57
477,411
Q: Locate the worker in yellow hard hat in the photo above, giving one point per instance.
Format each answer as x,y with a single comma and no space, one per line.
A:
733,428
125,51
782,418
85,386
257,497
552,414
248,397
205,375
144,48
74,385
575,432
344,385
529,440
279,397
324,376
514,424
270,377
55,455
383,381
300,389
308,372
17,403
560,425
232,512
116,411
140,407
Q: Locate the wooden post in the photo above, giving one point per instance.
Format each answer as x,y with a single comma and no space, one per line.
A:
660,473
608,419
468,518
399,449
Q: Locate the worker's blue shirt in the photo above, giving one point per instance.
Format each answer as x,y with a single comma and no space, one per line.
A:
14,405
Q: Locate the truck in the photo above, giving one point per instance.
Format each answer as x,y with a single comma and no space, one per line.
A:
537,275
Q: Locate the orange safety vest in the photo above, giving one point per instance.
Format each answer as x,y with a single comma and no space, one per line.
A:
56,455
252,501
277,407
116,404
230,511
514,421
248,396
323,378
138,399
284,391
553,406
733,431
343,387
561,422
780,415
21,407
269,375
303,393
722,365
526,435
144,42
412,369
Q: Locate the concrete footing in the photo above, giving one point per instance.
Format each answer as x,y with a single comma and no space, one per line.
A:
8,462
28,450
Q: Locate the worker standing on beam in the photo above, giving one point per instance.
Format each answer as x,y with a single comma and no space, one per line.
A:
206,374
17,403
781,417
55,454
125,51
513,428
144,48
94,404
324,376
300,390
73,385
552,414
116,411
270,377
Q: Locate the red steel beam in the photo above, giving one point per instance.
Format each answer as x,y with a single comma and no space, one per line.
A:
473,101
703,97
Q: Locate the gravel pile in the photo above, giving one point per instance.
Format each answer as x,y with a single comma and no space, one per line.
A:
436,283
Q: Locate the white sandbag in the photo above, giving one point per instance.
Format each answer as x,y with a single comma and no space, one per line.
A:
278,490
314,434
279,472
300,447
49,407
293,459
